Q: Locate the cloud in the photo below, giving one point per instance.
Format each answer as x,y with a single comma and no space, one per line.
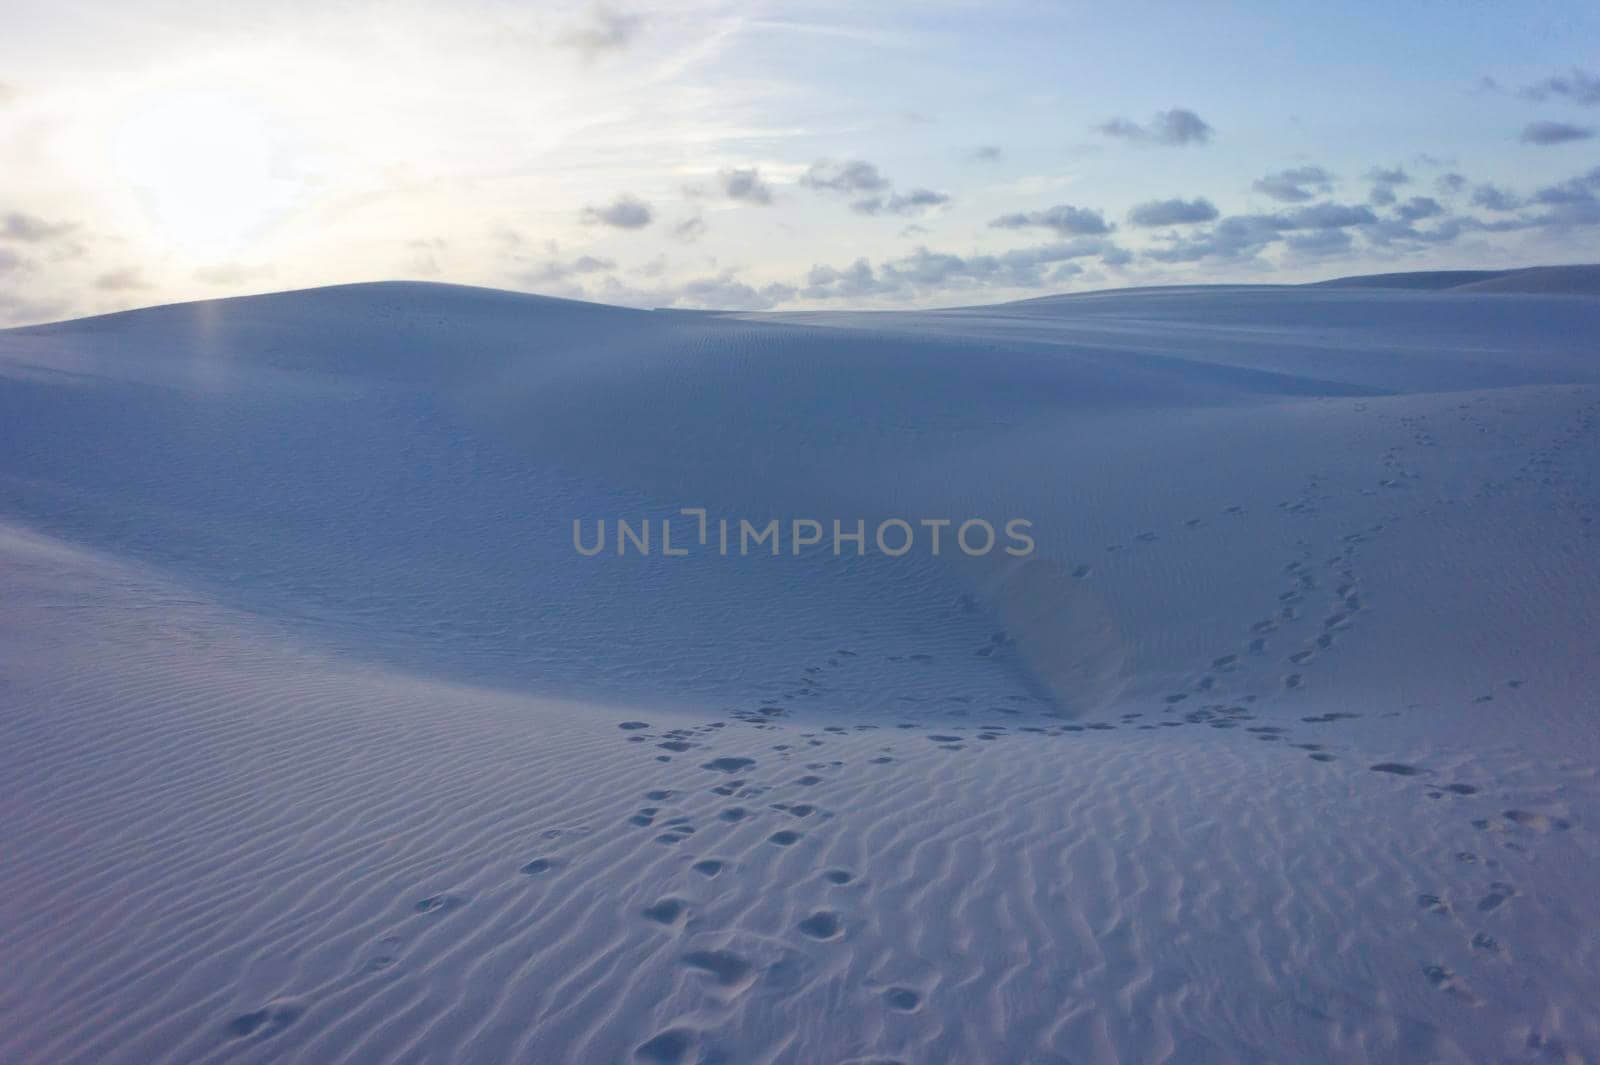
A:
1576,85
722,292
1318,243
852,175
1172,212
1577,190
746,186
1493,198
120,280
1296,185
1553,133
985,153
1241,237
1450,184
1176,128
626,212
689,230
558,270
231,273
917,201
1384,182
926,272
1417,208
1064,218
30,229
604,31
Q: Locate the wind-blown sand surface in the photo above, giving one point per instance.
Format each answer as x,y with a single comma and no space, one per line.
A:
322,744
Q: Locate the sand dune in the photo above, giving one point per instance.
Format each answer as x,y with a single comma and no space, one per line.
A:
325,745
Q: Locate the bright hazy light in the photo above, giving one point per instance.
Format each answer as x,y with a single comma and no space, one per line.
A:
206,165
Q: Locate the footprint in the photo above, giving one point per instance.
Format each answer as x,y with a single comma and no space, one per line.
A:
729,765
440,903
725,967
666,911
824,924
629,726
1399,769
902,998
707,868
670,1047
785,838
538,866
838,876
1498,894
264,1022
1537,822
1433,904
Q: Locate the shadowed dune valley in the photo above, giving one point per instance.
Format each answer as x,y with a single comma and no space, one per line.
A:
332,736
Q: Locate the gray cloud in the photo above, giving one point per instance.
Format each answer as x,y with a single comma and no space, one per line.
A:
1544,133
1418,208
1494,198
31,229
1318,243
746,186
925,272
120,280
1064,218
626,212
1384,182
852,175
1576,85
917,201
1296,185
1239,237
1175,212
1450,184
1176,127
690,229
558,270
723,292
605,30
985,153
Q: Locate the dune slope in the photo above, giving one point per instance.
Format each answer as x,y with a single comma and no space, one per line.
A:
325,744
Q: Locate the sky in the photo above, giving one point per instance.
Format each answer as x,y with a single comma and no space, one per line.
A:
759,156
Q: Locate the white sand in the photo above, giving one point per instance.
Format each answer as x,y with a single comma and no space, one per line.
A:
314,721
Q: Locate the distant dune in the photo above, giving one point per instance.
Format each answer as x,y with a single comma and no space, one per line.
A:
1569,280
324,743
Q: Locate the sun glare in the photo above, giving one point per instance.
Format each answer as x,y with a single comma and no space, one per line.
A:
207,166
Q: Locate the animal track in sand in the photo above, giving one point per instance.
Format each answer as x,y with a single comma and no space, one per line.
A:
265,1022
785,838
670,1047
442,903
666,911
902,999
724,967
1399,769
823,924
729,765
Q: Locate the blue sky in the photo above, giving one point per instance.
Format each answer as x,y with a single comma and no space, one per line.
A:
774,155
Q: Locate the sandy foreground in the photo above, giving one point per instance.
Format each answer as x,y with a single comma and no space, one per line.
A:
323,744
